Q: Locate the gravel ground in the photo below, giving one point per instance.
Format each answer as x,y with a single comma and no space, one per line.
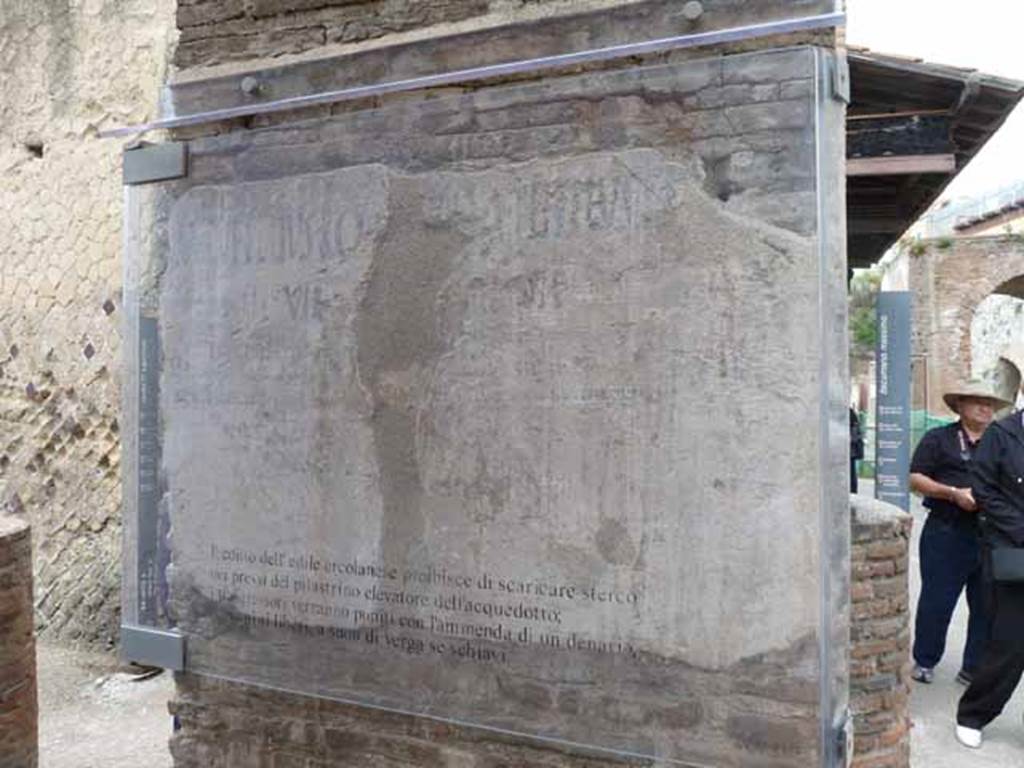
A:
95,714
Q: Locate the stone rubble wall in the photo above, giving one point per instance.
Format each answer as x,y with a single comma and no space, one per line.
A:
880,634
18,704
997,325
60,288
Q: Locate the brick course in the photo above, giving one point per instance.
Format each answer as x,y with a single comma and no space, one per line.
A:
216,32
232,30
880,635
228,725
18,705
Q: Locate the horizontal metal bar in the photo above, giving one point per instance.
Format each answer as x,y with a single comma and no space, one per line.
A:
157,647
661,45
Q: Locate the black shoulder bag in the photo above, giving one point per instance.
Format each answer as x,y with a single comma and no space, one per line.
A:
1008,564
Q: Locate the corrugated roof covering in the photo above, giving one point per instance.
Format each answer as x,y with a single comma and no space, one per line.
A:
880,208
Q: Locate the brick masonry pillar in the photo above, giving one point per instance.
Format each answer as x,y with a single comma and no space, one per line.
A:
18,706
880,634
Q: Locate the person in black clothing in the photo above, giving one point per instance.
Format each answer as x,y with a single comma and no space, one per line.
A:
856,448
950,551
998,486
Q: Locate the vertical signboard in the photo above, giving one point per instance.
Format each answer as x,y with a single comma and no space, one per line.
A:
892,439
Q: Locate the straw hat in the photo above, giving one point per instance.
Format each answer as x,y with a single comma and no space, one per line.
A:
974,388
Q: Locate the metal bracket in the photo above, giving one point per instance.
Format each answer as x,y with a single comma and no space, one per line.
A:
147,163
158,647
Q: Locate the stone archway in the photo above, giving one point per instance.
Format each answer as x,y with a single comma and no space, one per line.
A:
950,278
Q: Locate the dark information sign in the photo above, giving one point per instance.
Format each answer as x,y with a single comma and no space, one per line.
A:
892,418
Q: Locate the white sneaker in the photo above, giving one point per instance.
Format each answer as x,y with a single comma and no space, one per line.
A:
969,737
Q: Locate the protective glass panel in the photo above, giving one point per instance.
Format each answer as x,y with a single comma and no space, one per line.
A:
504,409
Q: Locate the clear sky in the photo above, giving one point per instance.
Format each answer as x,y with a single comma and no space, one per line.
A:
987,35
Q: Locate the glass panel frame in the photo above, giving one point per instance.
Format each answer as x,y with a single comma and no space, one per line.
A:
349,220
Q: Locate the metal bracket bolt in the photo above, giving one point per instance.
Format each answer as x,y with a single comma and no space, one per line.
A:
251,86
693,10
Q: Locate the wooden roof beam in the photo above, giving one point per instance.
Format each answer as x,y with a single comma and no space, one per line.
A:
900,165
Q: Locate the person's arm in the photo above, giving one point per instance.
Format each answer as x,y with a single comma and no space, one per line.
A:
924,485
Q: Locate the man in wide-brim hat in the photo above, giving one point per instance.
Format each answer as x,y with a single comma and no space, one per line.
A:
975,389
950,549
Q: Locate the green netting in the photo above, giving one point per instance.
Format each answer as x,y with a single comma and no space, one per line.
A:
920,422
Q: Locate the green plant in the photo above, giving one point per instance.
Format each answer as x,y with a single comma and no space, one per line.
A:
863,329
863,324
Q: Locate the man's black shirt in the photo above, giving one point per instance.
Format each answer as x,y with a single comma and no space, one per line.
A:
944,455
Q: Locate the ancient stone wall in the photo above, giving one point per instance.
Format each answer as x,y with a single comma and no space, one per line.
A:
741,142
998,324
880,635
69,69
18,706
743,148
950,277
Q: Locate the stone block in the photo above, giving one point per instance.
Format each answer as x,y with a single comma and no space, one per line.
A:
18,704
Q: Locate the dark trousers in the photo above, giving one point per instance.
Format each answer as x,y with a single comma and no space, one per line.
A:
1003,662
853,475
950,561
